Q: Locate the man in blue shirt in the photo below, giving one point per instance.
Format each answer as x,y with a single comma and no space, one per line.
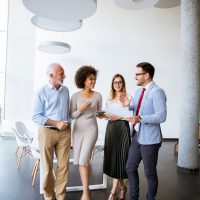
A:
52,113
149,109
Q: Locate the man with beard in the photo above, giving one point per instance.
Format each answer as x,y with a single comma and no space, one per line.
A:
52,113
149,110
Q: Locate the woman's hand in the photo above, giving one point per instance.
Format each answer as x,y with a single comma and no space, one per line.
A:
113,117
124,100
85,105
101,115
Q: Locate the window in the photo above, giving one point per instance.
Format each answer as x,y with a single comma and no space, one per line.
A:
3,47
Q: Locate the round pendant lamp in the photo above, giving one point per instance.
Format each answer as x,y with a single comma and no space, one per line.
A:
62,9
168,3
56,25
135,4
54,47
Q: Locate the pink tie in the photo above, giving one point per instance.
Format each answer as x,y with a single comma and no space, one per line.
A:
140,101
139,104
138,108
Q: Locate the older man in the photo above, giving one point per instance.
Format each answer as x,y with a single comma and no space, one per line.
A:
51,112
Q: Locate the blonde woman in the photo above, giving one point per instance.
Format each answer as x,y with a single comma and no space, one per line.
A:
117,138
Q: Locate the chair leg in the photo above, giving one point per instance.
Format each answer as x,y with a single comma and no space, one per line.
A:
28,151
34,167
93,152
17,150
20,157
54,175
35,172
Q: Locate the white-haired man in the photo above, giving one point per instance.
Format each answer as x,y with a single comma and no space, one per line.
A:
52,113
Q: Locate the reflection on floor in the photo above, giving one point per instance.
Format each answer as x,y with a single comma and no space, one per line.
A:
16,184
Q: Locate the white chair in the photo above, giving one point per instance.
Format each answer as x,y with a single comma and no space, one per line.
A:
23,143
99,147
22,130
36,155
22,135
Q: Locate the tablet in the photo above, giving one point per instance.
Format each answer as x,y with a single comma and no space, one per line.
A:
100,112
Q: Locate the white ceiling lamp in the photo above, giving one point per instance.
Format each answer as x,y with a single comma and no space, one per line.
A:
168,3
56,25
54,47
62,9
135,4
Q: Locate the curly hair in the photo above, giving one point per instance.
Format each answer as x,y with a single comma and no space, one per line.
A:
81,75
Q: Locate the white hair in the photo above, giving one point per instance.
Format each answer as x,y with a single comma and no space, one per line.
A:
51,68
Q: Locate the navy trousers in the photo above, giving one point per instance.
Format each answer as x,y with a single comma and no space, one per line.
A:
149,155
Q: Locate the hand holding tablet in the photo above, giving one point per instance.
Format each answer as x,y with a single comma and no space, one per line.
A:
100,114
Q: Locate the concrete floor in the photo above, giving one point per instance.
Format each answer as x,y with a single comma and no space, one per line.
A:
16,184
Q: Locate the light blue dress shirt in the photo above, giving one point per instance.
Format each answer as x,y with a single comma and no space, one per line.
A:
50,103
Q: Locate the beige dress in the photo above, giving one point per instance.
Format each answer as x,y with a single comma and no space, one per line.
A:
85,130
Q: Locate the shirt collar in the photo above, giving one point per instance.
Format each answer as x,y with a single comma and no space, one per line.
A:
52,87
147,86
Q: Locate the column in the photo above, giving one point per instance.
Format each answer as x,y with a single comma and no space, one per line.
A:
190,86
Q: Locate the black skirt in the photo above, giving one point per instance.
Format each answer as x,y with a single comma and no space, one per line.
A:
116,148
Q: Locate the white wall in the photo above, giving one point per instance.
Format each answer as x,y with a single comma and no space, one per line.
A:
20,63
113,40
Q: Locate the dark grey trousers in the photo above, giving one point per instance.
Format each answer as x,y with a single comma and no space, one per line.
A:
149,155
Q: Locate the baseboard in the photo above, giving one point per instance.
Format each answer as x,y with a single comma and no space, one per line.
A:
170,139
7,134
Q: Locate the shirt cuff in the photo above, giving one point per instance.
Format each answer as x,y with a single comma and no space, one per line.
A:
140,120
44,120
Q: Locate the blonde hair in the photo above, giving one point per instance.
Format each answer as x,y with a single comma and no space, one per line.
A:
112,90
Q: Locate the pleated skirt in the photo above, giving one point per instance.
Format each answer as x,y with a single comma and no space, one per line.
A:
116,148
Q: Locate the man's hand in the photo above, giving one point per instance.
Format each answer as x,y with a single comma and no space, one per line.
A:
124,100
133,119
62,125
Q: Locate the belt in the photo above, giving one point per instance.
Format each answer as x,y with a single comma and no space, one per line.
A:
53,128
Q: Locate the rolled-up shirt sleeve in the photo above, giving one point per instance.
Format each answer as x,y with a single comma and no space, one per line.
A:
38,110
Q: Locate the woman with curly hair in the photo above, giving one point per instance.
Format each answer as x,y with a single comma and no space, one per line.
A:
84,105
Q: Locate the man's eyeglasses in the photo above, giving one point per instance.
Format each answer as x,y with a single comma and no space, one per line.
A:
138,74
117,82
